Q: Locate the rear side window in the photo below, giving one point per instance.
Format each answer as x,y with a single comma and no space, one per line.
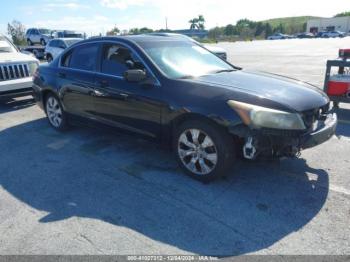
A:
82,57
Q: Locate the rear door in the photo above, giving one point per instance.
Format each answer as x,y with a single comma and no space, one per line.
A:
76,76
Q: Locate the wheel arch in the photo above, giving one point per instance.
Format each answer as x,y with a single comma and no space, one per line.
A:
45,93
180,119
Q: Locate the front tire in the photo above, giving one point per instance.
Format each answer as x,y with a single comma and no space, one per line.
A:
55,113
204,151
42,42
30,43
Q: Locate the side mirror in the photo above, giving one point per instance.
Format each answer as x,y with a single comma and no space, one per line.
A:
135,75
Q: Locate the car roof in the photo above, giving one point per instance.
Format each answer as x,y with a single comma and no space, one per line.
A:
68,38
136,39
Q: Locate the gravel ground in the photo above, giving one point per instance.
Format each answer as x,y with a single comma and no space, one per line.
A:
89,191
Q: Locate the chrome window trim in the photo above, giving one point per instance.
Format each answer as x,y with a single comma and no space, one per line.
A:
108,42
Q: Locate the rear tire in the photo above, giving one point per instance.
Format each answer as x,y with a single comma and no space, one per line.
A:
204,151
42,42
30,43
55,113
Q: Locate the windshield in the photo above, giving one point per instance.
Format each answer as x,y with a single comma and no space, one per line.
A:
179,59
5,46
44,31
71,41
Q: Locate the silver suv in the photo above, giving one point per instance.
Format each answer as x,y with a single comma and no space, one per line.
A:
38,36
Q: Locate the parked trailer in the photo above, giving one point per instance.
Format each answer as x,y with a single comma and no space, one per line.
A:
337,86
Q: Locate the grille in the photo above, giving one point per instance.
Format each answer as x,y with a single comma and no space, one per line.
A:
9,72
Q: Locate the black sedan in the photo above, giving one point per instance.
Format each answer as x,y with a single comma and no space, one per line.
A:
180,94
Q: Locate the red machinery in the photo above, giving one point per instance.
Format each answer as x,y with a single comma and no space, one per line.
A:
337,86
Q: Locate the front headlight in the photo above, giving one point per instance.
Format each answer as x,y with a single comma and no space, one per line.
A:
258,116
32,67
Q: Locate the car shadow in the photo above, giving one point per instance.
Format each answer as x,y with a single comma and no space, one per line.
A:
9,105
131,183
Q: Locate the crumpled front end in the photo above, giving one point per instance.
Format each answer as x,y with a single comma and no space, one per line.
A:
320,126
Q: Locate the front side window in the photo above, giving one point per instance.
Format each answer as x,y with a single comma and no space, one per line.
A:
82,57
180,59
116,59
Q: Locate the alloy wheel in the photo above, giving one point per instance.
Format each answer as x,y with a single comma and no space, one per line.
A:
54,111
197,151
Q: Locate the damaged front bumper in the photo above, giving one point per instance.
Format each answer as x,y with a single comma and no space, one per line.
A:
284,143
323,133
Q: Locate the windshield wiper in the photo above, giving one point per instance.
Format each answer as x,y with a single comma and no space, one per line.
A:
223,71
186,77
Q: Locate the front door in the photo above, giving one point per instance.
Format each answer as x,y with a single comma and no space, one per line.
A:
128,105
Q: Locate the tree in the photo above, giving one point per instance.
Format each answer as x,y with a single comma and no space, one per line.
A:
145,30
230,30
197,23
279,29
216,32
194,23
268,30
304,27
138,31
134,31
343,14
114,31
260,27
201,22
17,31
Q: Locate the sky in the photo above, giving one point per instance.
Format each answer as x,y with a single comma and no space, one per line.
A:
99,16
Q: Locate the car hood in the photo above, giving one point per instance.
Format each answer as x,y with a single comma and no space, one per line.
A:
294,94
215,49
15,57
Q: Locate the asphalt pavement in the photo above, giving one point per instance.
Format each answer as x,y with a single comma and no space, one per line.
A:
91,191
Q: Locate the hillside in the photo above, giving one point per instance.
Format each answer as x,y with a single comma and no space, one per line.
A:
289,21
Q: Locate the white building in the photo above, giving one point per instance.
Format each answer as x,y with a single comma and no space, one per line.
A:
329,24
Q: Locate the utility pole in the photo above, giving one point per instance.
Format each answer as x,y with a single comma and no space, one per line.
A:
166,23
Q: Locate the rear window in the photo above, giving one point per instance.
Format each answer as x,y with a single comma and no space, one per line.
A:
53,43
82,57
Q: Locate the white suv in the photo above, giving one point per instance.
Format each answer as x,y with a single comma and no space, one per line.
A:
57,46
16,70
